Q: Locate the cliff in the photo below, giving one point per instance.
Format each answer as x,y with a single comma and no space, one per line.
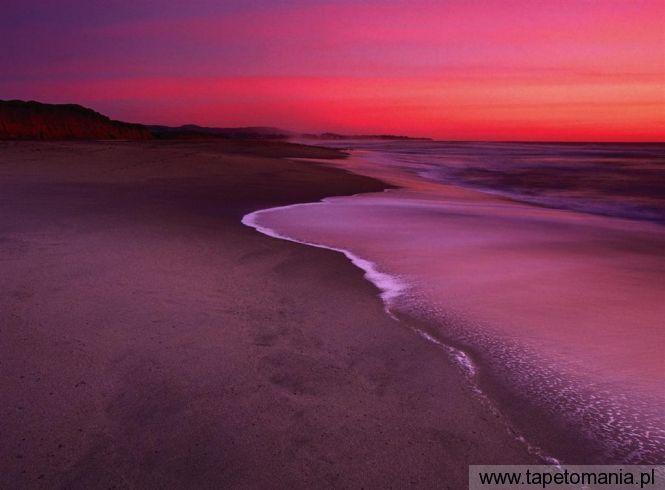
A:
37,121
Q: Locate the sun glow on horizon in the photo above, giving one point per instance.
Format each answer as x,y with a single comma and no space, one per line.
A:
450,70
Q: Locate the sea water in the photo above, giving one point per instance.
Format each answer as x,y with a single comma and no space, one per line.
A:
541,268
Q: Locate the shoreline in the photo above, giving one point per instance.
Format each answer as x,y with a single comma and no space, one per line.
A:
145,324
293,224
391,287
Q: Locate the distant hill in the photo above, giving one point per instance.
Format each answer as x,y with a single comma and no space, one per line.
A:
336,136
20,120
189,131
258,132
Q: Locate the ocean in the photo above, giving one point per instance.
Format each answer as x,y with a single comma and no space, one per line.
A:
621,180
538,268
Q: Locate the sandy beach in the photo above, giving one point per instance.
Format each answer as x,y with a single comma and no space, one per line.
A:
149,339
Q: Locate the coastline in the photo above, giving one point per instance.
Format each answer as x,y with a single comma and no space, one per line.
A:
339,224
151,339
390,288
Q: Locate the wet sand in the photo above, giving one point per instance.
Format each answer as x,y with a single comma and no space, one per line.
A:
561,311
149,339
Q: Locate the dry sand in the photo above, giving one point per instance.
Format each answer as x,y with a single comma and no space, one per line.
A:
149,339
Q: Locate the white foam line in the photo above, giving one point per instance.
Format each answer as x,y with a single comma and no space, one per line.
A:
390,286
461,357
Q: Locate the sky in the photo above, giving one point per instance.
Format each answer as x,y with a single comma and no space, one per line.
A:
577,70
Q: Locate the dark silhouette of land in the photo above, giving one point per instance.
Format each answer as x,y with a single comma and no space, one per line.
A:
31,120
20,120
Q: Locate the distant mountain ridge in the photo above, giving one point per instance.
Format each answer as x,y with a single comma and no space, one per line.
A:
194,131
259,132
30,120
336,136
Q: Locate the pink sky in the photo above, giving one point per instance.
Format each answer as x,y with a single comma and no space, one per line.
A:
531,70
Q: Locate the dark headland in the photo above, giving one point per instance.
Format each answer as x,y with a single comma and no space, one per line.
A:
31,120
21,120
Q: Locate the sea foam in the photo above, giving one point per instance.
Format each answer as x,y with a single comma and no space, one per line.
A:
390,286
